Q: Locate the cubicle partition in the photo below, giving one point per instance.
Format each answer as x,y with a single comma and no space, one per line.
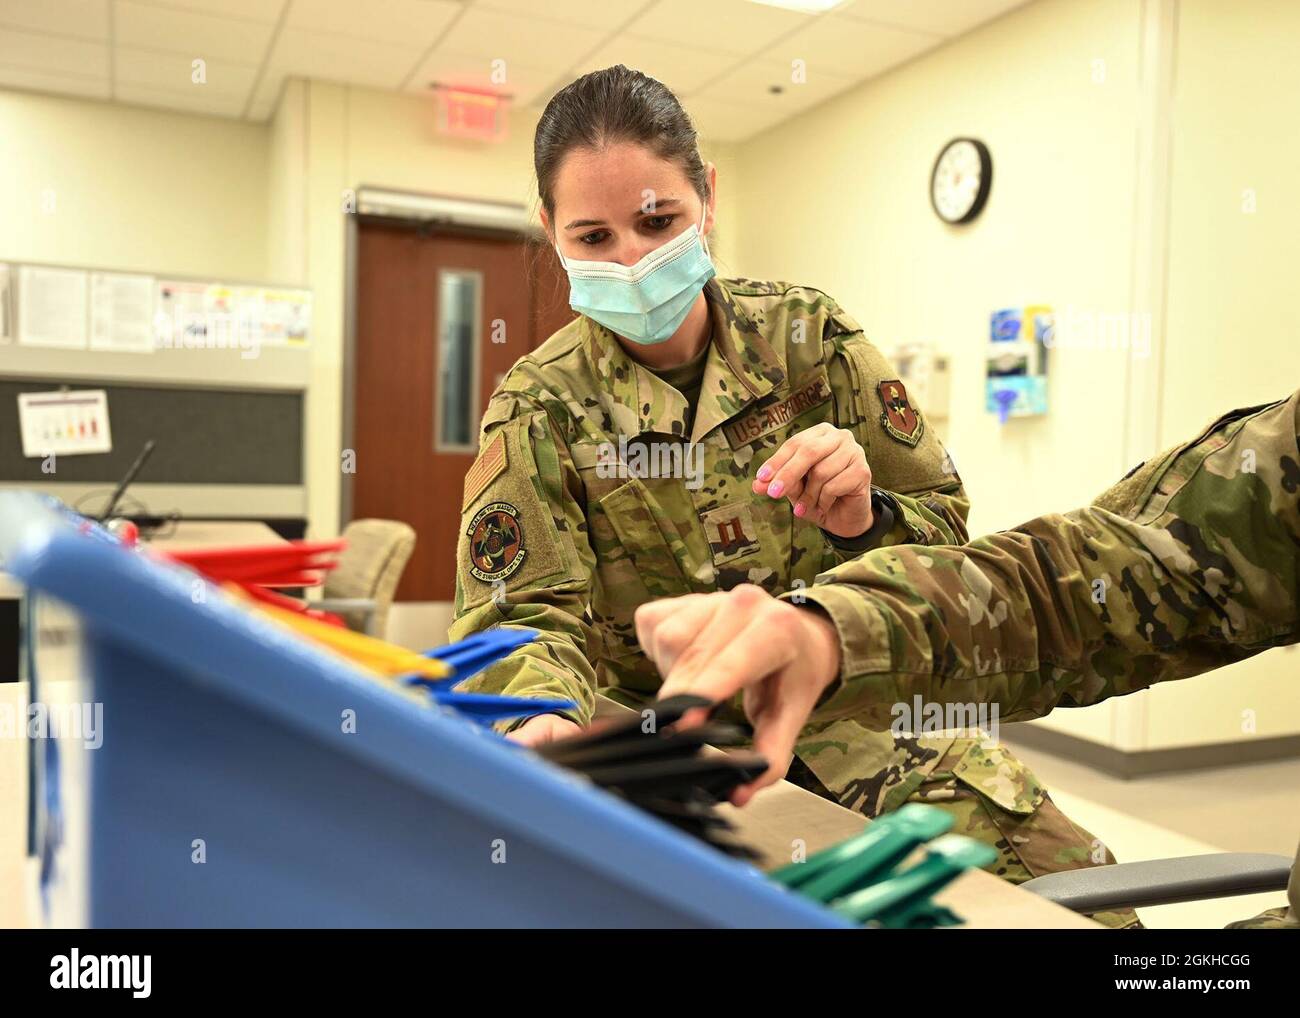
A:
214,371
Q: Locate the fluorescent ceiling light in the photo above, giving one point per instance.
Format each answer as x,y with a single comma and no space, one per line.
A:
803,6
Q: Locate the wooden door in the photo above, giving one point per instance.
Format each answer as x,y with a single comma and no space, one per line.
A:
441,317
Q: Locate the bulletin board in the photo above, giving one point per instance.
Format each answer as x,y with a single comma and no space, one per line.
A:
153,342
141,314
212,436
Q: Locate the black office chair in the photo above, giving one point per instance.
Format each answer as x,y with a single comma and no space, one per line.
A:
1171,881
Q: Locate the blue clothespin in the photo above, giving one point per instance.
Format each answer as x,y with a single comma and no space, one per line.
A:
473,654
486,708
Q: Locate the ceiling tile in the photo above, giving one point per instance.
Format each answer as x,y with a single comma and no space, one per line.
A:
248,10
332,57
192,101
854,49
725,26
681,69
81,19
523,83
143,26
59,84
53,54
751,84
720,56
510,37
941,17
395,21
723,121
607,14
174,71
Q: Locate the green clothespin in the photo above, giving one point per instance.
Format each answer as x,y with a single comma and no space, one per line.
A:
904,901
867,857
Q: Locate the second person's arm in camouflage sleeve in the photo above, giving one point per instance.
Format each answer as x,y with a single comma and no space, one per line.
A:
1187,564
923,498
523,558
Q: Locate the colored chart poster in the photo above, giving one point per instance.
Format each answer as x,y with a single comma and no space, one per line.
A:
64,423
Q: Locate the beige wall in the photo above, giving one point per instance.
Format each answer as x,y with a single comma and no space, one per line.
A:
1234,323
133,189
286,194
1233,335
838,199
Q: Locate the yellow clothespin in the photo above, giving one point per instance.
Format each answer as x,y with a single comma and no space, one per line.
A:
367,651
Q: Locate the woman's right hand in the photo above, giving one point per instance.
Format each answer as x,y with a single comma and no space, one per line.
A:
543,729
781,658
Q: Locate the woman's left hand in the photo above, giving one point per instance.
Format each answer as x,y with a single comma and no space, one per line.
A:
824,473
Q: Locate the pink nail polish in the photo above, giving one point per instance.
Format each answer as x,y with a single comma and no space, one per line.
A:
764,473
798,509
775,488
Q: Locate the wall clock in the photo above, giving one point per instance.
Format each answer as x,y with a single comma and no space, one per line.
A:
960,181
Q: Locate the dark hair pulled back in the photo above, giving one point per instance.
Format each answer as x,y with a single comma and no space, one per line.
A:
611,106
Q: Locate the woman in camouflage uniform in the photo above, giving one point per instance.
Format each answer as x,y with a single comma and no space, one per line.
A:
686,434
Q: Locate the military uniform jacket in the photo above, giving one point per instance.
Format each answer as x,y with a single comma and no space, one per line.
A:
595,491
1190,562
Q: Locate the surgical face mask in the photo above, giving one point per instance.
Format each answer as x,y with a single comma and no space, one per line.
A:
646,302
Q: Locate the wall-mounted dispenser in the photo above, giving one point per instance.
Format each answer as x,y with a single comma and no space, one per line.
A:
1016,362
924,371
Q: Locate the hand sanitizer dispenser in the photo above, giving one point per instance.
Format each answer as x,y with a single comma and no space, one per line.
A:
1016,361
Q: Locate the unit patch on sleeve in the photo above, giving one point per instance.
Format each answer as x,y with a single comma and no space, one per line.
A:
496,542
764,420
899,418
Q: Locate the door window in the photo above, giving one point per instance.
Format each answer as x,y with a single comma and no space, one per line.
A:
460,302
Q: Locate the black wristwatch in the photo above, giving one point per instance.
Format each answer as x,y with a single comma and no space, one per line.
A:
883,512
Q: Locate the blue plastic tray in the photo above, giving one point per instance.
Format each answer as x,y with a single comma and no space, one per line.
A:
222,728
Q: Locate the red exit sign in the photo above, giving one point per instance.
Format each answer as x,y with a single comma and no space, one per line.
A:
464,113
